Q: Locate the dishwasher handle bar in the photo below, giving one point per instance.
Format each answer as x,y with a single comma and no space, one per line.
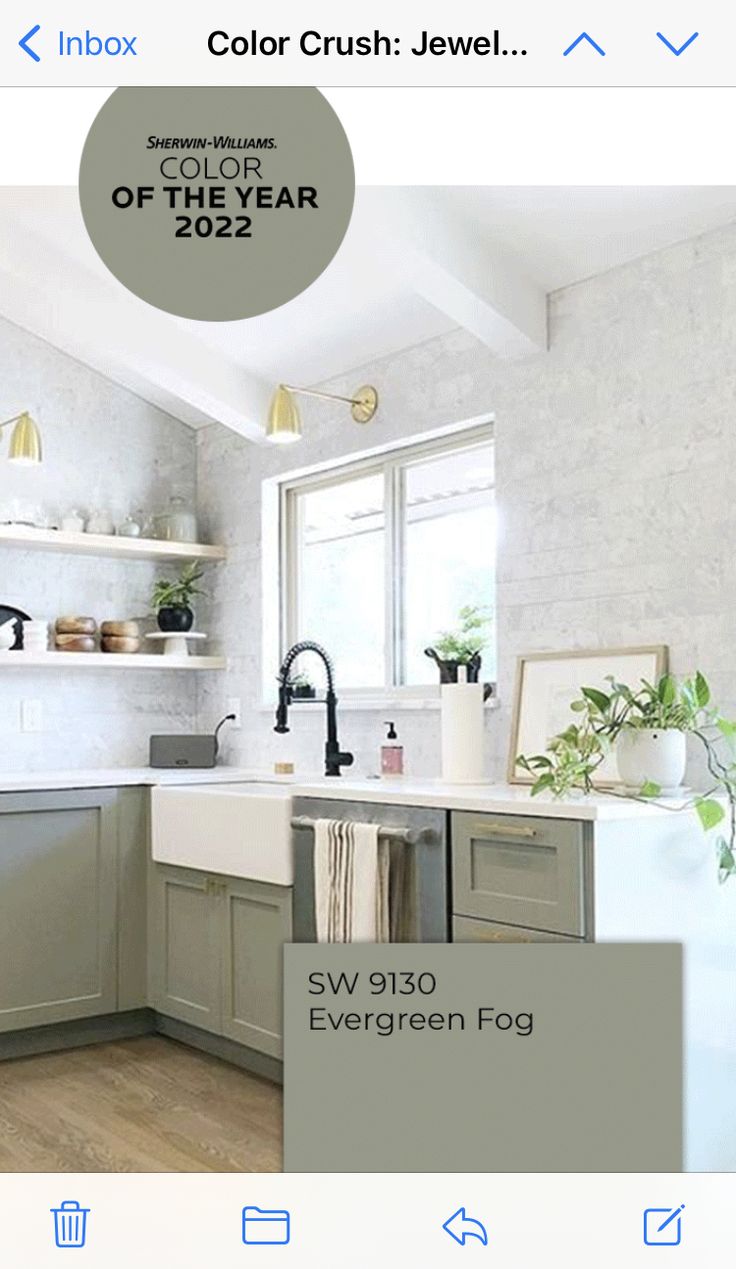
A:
407,836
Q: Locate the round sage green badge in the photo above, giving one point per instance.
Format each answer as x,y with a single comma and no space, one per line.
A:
216,203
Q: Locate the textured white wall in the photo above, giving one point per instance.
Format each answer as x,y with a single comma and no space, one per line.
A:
615,452
102,447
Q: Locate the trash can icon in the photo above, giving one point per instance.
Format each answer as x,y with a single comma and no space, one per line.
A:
70,1224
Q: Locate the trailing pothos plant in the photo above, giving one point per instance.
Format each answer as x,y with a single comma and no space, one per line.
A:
574,755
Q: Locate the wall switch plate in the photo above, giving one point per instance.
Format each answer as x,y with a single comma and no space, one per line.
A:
31,716
234,706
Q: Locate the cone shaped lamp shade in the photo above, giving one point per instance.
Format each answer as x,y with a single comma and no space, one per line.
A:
284,423
25,442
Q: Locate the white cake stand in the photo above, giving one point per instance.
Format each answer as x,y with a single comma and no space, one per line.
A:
175,642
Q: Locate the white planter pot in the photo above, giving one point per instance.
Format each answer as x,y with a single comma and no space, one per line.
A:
651,755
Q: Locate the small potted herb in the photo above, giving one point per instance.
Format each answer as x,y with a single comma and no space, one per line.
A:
461,646
171,601
302,689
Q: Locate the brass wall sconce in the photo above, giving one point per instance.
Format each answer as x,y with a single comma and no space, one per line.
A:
25,441
284,423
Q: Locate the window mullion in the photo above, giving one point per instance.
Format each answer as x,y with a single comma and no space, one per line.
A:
394,573
293,569
388,615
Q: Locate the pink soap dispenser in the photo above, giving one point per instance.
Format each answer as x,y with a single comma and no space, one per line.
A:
392,753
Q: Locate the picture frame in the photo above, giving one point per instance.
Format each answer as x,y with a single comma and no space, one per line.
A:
547,683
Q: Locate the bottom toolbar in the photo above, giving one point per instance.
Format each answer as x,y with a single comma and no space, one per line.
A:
317,1220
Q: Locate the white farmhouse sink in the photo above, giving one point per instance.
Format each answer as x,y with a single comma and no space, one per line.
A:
241,830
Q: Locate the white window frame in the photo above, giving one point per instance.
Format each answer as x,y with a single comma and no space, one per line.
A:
391,462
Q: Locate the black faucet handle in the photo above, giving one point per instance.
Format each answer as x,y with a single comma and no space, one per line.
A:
335,758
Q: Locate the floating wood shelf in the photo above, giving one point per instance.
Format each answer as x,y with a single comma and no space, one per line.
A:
121,548
104,661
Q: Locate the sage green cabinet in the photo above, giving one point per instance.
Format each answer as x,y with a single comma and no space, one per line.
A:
255,924
58,906
133,809
470,930
525,871
215,953
184,954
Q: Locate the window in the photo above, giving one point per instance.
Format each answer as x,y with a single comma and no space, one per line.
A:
379,556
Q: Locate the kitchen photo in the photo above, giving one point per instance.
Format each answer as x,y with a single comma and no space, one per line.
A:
403,612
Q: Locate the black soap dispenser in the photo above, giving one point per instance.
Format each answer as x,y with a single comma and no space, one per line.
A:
392,753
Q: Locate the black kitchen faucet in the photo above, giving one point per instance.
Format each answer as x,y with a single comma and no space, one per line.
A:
334,758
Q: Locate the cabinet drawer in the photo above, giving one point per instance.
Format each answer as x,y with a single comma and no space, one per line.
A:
519,870
470,930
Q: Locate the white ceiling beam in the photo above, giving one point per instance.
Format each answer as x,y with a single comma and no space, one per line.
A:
464,274
97,321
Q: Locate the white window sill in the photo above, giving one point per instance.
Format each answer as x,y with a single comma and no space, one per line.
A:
348,703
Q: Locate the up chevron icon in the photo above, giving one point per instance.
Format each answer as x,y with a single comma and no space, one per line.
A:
584,36
672,47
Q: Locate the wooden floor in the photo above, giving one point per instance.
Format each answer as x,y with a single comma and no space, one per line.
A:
144,1105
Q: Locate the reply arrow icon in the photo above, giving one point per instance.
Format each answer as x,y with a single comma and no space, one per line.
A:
461,1227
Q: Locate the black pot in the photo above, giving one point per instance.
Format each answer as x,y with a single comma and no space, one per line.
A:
303,692
176,619
448,669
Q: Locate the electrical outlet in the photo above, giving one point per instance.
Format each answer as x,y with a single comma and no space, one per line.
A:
31,716
234,706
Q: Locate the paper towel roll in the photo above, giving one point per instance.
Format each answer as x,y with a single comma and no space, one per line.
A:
462,733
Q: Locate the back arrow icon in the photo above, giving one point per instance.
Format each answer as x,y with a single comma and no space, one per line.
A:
25,45
461,1227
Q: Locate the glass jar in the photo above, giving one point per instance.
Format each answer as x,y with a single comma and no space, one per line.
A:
177,524
101,522
73,521
131,526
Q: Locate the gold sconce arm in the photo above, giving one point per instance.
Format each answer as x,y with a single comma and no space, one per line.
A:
284,423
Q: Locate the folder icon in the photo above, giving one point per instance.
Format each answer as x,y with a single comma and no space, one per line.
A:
265,1227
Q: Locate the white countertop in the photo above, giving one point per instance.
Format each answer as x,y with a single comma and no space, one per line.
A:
114,778
495,799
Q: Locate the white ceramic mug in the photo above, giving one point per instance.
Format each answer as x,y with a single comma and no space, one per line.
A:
35,636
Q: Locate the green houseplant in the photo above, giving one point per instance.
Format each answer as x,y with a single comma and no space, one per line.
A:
302,688
607,720
461,646
171,601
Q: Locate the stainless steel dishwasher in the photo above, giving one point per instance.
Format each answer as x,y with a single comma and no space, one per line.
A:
429,862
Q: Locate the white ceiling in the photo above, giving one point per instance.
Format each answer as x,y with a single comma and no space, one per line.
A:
564,235
414,264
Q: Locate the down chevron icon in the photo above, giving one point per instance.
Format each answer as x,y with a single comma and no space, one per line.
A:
673,47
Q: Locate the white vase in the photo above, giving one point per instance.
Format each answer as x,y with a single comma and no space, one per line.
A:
653,755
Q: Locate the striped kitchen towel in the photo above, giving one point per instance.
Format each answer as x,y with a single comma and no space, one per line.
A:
351,883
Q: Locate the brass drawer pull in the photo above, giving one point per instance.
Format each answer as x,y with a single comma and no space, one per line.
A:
515,830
